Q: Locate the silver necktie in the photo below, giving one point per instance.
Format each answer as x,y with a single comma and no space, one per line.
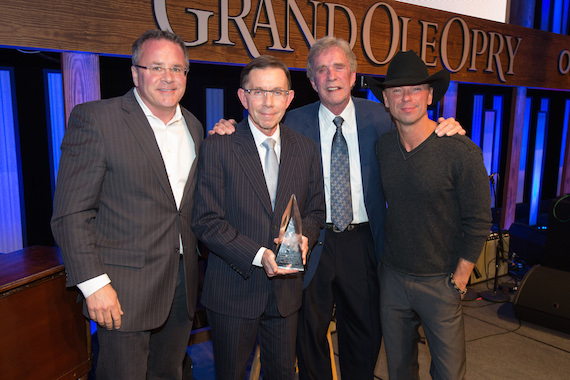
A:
271,169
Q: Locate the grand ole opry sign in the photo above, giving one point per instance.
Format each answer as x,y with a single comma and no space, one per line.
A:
234,31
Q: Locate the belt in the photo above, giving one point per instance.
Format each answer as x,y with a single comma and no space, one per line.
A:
350,227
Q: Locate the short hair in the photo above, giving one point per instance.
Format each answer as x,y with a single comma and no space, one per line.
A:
264,62
325,43
155,34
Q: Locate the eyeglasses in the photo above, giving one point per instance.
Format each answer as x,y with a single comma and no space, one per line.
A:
159,70
259,93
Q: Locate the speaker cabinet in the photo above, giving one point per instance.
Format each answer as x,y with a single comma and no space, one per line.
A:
485,266
544,298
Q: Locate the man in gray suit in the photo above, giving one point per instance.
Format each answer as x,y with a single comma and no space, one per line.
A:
122,212
238,210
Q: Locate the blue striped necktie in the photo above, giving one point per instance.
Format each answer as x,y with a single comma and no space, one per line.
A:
341,199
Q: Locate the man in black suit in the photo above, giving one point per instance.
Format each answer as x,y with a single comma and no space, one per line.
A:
122,213
237,215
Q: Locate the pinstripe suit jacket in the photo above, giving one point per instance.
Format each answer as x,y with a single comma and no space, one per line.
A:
115,213
372,121
233,217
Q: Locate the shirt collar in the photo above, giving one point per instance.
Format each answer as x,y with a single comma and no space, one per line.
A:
148,113
259,137
347,114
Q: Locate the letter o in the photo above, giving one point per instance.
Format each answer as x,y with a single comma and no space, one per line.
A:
564,71
444,40
395,33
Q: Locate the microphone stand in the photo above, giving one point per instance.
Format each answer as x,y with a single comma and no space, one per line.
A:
493,295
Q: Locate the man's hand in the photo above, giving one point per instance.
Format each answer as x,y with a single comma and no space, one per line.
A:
270,266
462,273
448,127
223,127
104,307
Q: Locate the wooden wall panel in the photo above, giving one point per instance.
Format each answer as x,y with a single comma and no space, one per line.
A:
377,29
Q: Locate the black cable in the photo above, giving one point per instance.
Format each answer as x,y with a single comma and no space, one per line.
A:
554,209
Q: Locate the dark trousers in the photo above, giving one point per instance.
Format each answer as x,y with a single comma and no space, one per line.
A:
155,354
345,279
234,338
432,301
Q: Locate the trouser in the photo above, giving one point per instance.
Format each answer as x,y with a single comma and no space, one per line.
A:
346,281
154,354
234,338
407,302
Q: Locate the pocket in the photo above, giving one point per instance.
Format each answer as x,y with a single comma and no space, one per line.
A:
455,288
122,257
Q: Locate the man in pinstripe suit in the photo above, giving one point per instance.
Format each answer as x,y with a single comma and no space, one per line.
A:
122,211
238,217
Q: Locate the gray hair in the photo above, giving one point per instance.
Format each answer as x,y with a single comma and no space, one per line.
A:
325,43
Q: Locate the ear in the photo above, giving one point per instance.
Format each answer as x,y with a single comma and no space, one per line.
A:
352,79
135,74
386,103
242,98
290,98
430,96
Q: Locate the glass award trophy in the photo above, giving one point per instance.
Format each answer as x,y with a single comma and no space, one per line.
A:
289,251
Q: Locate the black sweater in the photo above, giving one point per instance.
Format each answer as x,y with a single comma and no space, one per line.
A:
439,203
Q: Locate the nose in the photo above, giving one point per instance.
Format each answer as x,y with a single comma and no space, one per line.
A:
406,94
268,99
331,75
167,75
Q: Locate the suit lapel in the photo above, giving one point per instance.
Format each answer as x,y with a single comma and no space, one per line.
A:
287,169
137,122
366,136
197,137
247,157
310,127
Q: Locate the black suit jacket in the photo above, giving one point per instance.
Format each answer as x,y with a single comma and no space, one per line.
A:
233,217
115,213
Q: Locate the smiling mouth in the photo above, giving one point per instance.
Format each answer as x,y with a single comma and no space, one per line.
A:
333,88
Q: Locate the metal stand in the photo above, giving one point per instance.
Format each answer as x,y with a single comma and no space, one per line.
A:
494,296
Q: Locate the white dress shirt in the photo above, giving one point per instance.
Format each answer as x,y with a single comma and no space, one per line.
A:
350,133
259,138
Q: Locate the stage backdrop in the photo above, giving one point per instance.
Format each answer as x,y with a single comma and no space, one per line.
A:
474,50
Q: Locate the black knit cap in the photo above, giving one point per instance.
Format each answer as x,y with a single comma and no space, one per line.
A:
407,69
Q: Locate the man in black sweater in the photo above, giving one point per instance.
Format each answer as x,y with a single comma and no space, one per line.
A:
438,218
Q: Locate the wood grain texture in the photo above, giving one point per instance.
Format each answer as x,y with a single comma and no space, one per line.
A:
110,27
44,333
81,79
513,157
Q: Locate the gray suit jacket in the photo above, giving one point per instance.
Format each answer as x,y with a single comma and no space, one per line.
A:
115,213
233,217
